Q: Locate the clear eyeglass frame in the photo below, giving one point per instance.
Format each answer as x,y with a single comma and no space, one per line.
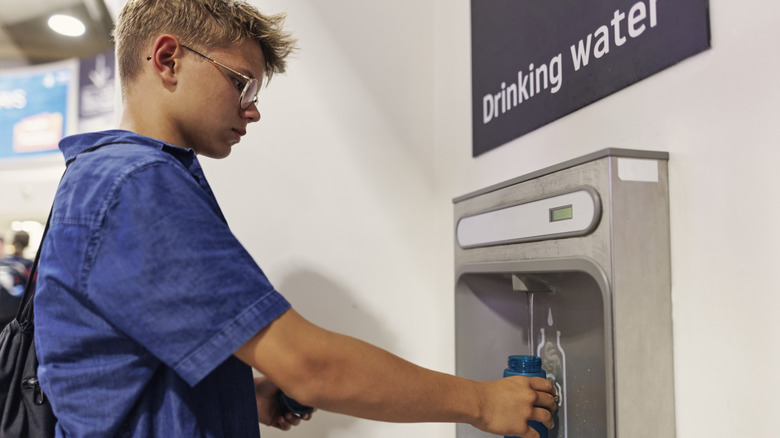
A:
248,95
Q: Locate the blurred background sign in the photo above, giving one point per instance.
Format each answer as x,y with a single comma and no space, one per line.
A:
96,92
34,109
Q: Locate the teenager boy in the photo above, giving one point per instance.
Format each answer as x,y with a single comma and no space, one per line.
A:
150,314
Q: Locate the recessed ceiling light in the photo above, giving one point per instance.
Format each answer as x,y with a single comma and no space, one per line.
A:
67,25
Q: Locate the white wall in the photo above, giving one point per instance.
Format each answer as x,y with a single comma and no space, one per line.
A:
353,124
354,216
716,114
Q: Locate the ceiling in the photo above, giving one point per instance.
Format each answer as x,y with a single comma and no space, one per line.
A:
25,37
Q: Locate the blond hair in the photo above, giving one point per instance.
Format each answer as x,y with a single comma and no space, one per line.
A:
203,23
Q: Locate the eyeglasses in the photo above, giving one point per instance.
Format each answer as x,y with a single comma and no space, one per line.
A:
249,88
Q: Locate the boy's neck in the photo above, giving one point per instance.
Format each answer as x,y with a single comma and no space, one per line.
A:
144,119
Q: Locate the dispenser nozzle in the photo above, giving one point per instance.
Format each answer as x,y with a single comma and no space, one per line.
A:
526,283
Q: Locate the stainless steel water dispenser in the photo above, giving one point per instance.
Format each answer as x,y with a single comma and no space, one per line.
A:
571,263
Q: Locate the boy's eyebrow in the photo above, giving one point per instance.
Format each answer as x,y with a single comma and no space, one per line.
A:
243,70
246,71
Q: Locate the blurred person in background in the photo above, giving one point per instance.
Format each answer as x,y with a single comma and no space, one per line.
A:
14,270
20,242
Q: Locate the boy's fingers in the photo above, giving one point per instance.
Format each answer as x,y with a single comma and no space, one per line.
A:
546,400
543,416
542,384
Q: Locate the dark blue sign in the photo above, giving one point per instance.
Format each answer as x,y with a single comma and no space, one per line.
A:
534,61
33,110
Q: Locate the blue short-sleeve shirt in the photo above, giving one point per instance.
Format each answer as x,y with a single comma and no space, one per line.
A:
143,296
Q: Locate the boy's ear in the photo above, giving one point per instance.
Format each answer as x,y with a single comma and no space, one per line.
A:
165,55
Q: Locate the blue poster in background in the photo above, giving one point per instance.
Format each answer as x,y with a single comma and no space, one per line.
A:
33,110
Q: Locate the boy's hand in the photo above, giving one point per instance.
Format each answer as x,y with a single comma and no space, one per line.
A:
268,410
507,405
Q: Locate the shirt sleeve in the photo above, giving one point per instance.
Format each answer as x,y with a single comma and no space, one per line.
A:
170,274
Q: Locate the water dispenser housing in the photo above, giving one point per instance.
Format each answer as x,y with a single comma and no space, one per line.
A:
571,263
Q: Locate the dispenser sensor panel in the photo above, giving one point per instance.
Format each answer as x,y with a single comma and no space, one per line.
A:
574,213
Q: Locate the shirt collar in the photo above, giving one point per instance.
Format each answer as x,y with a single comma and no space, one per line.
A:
76,144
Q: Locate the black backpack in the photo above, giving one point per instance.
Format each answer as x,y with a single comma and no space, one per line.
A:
24,408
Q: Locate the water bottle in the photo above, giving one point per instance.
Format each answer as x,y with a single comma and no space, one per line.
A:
529,366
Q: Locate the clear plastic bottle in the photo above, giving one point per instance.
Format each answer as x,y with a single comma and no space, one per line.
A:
529,366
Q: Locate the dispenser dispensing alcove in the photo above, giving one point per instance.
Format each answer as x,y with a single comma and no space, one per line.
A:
571,263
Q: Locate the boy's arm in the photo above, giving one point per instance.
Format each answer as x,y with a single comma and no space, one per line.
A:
341,374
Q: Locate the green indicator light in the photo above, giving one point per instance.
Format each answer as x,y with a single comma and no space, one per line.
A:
561,213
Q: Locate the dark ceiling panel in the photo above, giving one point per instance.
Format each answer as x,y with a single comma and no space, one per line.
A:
39,44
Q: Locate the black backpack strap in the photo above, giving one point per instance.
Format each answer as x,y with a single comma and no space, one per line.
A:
25,311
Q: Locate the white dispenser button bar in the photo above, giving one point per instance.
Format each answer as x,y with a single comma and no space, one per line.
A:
571,214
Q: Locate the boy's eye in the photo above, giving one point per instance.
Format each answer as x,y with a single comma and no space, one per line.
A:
239,84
